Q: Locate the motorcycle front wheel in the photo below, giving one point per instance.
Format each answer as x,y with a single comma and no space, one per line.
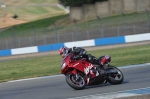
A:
117,77
76,82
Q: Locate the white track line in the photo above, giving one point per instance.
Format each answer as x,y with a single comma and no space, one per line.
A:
119,94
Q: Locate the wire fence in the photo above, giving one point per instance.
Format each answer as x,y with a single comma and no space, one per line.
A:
121,25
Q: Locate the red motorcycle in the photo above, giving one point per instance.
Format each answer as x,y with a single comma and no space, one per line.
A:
80,73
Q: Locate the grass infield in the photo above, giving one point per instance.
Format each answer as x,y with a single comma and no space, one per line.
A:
50,64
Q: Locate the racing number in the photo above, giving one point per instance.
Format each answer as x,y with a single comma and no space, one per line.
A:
87,69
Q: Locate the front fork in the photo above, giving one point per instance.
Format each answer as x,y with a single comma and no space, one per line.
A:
87,79
75,73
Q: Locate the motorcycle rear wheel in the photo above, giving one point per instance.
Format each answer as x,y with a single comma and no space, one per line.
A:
116,78
75,83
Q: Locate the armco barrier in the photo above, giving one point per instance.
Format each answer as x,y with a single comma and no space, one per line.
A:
5,52
50,47
138,37
85,43
24,50
110,40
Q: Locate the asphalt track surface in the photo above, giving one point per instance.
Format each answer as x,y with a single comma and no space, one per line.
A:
55,87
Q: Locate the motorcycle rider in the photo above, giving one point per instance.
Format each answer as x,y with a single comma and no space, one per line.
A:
77,53
80,52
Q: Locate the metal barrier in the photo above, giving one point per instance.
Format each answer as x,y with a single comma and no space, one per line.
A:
121,25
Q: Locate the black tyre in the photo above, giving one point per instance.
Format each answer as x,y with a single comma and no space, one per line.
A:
116,78
76,83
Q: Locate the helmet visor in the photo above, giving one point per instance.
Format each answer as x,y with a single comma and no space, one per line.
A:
64,52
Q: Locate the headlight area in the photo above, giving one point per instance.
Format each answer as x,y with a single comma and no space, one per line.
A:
63,65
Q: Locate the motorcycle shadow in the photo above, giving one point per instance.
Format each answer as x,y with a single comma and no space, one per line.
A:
103,85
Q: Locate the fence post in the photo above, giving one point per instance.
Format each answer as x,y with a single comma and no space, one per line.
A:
87,30
134,29
30,38
55,29
19,43
72,36
118,29
100,24
6,42
58,36
148,14
124,16
44,37
76,29
34,34
14,37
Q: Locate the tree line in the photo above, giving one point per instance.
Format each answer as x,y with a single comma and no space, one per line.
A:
77,3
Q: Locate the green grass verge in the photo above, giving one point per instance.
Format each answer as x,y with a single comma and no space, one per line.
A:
27,28
50,64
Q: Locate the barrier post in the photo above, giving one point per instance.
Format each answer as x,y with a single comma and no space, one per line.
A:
14,37
56,35
148,14
124,16
100,25
34,31
76,29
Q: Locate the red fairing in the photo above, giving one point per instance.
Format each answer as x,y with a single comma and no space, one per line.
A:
65,63
105,59
82,65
